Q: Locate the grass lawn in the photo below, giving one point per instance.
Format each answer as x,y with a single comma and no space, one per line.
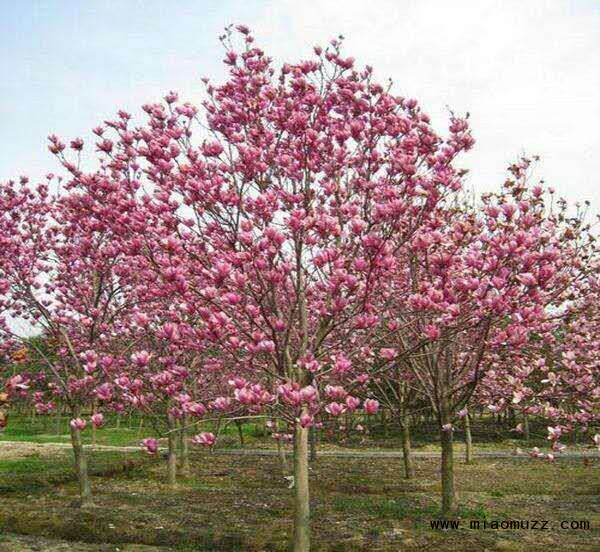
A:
486,435
243,504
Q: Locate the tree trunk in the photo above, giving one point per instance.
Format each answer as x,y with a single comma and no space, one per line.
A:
312,436
448,492
285,469
468,441
526,426
118,421
184,449
409,470
140,427
81,468
301,491
172,455
94,429
240,429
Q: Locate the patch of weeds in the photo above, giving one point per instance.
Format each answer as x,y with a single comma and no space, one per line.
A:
478,512
379,507
496,494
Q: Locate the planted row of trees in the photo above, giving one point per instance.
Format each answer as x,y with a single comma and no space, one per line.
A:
297,246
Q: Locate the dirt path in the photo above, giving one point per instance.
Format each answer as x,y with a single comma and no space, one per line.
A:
16,449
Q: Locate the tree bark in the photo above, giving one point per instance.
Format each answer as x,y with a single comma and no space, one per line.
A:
94,429
240,429
384,422
312,435
526,426
448,491
285,469
184,451
409,470
468,441
301,491
172,455
81,468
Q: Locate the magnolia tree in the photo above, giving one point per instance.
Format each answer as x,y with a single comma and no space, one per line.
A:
481,281
278,228
554,378
293,249
62,273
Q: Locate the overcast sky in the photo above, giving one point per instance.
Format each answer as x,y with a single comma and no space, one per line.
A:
527,71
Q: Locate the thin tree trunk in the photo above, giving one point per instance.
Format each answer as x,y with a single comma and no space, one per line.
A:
94,429
446,438
81,468
301,491
468,441
448,491
240,429
409,470
118,421
140,427
172,455
526,426
285,469
184,461
312,436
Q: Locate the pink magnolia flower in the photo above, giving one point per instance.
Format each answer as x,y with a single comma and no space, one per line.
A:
342,364
432,332
308,393
97,419
371,406
335,409
306,420
388,353
141,358
527,279
150,445
78,423
221,403
335,392
463,413
195,409
352,403
554,433
206,439
447,427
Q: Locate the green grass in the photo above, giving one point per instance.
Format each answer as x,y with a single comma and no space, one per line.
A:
242,503
43,429
36,473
